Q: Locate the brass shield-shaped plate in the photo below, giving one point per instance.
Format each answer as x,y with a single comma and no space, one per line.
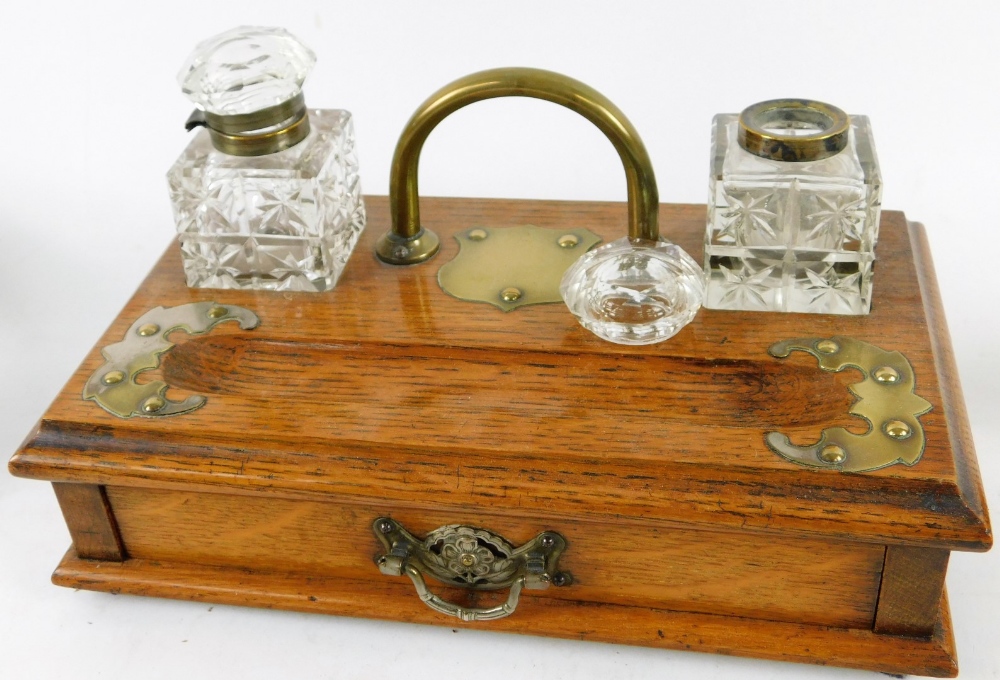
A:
513,266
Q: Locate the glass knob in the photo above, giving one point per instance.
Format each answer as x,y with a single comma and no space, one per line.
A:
634,292
246,69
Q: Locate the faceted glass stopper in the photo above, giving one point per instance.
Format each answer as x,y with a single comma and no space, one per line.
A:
245,69
634,292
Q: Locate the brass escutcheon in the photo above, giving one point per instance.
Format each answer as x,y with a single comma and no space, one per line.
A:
512,267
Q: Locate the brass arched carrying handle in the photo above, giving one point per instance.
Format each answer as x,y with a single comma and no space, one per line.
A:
409,242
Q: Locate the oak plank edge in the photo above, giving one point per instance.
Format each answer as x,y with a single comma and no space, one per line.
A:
845,513
715,518
911,588
970,483
91,521
63,439
638,626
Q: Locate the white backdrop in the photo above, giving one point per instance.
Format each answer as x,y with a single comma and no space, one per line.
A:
91,118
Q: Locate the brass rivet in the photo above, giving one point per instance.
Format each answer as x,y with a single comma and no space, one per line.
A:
112,377
468,559
153,404
827,347
568,241
510,294
148,329
886,375
897,429
833,454
477,234
217,312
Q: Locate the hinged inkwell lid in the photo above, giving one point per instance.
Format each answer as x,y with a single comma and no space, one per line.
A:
247,85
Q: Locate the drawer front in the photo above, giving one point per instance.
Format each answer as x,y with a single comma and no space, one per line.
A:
689,570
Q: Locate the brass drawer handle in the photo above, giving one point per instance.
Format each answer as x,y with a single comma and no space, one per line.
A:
464,613
470,558
409,242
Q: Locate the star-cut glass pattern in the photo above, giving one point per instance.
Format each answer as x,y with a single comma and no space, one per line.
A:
745,216
745,286
841,218
831,291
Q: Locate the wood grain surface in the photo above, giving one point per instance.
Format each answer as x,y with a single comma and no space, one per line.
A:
386,387
765,577
394,599
91,521
911,590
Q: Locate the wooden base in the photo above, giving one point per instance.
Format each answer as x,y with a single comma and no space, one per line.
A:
851,648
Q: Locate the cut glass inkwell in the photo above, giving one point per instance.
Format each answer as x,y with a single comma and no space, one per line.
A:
267,196
793,210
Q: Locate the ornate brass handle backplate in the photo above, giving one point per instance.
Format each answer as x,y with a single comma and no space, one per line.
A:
410,242
470,558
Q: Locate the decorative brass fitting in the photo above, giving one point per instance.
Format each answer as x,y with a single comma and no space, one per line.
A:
113,386
887,401
469,557
759,125
258,133
409,242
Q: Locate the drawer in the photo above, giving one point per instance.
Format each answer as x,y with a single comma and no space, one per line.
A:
682,569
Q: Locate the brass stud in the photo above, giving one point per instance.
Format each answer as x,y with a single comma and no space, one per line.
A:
510,294
468,560
569,241
153,404
886,375
832,454
897,429
827,347
477,234
148,329
217,312
113,377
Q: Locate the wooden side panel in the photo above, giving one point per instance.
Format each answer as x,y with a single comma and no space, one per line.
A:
911,590
953,403
90,520
393,599
741,574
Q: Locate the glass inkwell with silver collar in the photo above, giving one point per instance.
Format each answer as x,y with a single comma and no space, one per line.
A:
267,196
793,210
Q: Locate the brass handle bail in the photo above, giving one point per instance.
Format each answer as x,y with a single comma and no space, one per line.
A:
410,243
